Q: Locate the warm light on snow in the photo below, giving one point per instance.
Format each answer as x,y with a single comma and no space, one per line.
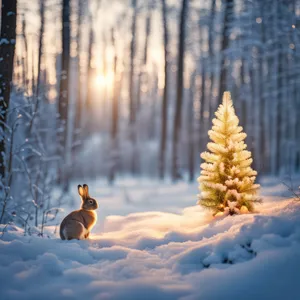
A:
165,254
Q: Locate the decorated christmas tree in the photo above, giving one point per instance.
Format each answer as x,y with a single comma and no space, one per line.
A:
227,181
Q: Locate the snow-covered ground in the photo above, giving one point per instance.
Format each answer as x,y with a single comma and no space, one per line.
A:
152,242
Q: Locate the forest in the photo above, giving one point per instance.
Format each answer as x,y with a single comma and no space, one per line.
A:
112,88
121,94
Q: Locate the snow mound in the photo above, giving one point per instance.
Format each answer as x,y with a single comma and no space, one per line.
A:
160,255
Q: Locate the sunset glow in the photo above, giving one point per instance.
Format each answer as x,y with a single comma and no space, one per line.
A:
104,80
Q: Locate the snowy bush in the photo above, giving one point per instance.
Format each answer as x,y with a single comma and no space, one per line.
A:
27,187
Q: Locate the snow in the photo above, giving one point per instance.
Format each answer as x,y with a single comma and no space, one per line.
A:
152,242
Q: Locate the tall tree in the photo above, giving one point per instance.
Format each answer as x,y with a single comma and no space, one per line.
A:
39,63
132,98
280,74
296,98
25,58
142,73
105,100
164,111
41,46
228,13
211,35
179,91
64,86
78,113
7,52
91,125
90,67
203,98
262,146
190,126
115,113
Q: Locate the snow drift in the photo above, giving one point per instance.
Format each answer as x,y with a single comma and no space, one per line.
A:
161,255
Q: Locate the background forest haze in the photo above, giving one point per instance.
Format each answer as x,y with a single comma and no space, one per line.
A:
129,88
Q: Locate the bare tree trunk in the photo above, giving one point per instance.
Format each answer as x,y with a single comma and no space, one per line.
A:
243,100
132,102
115,116
262,118
180,71
33,84
79,106
164,113
105,102
279,111
211,35
272,79
64,81
154,96
228,14
25,57
202,93
40,53
90,71
279,77
191,132
64,87
142,73
7,52
17,79
295,97
202,104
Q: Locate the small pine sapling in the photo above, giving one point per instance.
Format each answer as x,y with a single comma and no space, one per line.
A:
227,181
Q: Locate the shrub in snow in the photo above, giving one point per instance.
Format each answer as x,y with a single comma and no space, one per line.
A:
227,179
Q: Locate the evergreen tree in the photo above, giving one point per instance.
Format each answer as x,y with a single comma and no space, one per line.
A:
227,179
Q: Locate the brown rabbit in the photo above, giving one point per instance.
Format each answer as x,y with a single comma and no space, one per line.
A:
79,223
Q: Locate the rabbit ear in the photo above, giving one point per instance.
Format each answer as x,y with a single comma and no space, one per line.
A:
81,191
86,190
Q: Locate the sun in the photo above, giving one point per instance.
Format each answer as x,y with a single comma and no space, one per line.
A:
104,80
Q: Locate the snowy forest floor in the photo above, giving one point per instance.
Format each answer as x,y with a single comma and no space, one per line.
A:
152,242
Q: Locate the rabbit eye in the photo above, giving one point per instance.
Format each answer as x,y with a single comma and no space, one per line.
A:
91,201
